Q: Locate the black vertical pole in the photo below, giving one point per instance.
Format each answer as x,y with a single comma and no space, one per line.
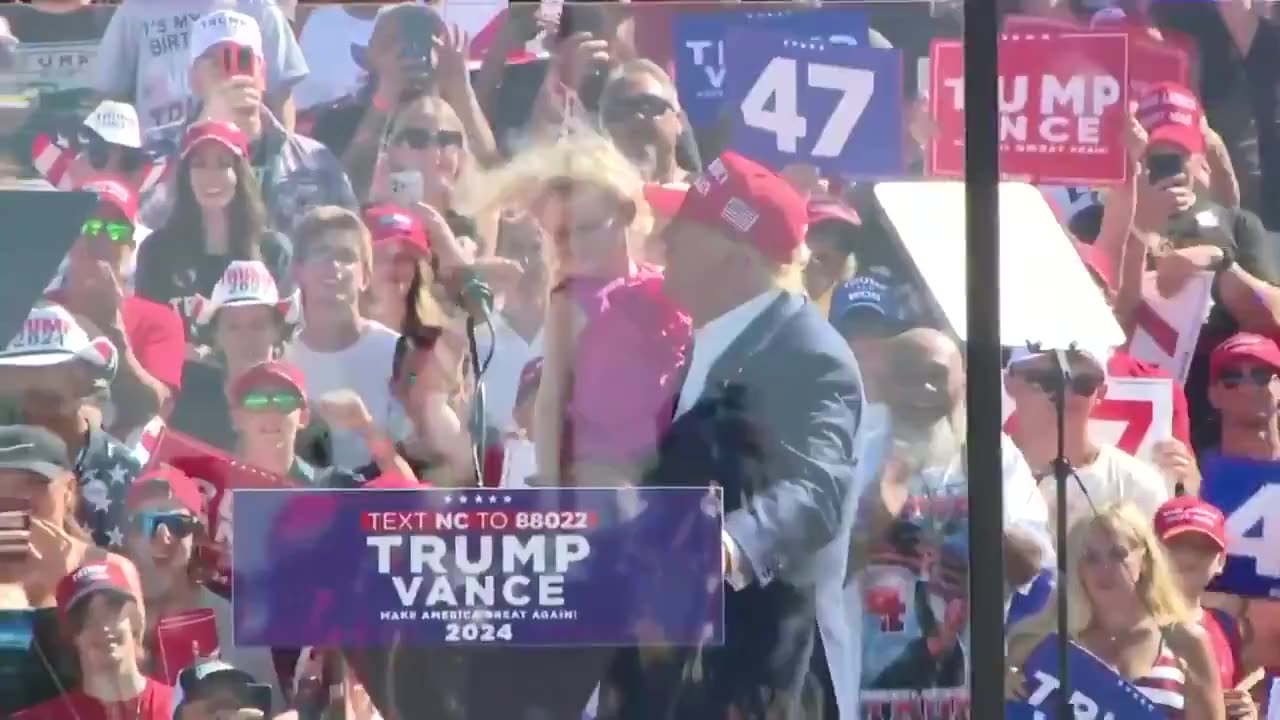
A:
982,227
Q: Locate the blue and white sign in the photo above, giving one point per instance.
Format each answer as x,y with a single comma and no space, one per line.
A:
837,107
1248,493
1097,692
701,67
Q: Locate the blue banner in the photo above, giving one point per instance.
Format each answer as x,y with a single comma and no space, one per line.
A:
701,67
1096,690
802,101
528,567
1248,494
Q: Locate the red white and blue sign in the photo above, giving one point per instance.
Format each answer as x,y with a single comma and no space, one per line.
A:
837,107
1096,690
1248,494
702,64
529,567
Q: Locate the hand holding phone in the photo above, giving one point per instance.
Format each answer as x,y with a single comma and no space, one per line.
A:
407,188
1161,166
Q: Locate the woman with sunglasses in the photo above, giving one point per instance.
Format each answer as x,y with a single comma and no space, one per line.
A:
218,218
1125,608
166,525
613,342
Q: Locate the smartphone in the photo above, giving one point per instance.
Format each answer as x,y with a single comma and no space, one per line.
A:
407,188
576,19
239,61
417,28
1161,166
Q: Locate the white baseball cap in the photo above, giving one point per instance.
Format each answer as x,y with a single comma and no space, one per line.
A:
247,282
226,26
116,122
50,335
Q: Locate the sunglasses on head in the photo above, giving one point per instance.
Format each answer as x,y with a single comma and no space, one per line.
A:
283,401
421,138
117,231
179,525
646,106
98,152
1083,384
1235,377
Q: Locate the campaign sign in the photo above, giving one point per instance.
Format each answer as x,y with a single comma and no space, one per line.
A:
1133,414
700,49
1248,493
1063,108
837,107
512,567
1097,692
1168,328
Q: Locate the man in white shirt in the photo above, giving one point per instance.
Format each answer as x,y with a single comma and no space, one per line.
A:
768,410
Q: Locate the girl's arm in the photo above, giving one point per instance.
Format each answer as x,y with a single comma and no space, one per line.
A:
1202,690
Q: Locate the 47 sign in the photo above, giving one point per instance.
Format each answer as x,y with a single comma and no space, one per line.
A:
1248,493
806,101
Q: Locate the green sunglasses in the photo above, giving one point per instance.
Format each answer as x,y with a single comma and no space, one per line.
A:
119,232
271,400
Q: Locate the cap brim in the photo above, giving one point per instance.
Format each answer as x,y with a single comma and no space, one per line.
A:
1180,135
49,471
214,139
99,587
41,359
286,306
117,136
1175,531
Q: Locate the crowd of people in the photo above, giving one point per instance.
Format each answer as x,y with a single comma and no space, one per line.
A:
347,246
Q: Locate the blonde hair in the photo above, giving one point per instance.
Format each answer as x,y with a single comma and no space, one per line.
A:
1155,586
328,218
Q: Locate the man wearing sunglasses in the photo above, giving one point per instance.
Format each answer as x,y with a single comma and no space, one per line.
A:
1244,388
166,512
148,337
640,111
1106,473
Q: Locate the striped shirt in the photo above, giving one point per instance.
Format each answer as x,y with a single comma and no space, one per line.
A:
1162,684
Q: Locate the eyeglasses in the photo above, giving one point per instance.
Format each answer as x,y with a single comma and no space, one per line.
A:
119,232
421,138
271,401
1233,378
1117,555
179,525
98,151
1083,384
645,106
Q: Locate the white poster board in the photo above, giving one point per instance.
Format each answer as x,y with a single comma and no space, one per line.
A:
1168,328
1134,415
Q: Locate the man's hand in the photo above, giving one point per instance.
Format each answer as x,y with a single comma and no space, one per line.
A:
234,98
453,50
344,410
1175,267
1177,463
577,55
1239,705
54,554
1157,203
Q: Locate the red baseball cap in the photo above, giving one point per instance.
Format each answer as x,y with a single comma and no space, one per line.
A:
116,194
101,576
824,211
665,200
1171,113
272,372
165,480
751,202
224,133
1188,513
1244,347
391,223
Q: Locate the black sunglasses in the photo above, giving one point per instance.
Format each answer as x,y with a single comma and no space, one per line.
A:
98,151
421,138
179,525
1083,384
1235,377
646,106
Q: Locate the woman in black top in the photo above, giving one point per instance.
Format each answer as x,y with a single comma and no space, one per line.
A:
219,217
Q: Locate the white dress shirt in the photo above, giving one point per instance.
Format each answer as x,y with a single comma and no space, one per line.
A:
709,343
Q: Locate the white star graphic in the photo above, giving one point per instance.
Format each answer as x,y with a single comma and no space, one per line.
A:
89,476
463,499
506,499
97,495
118,474
115,538
493,499
448,499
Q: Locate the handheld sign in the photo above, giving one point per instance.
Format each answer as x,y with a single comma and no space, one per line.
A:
1248,493
1168,328
702,66
834,106
527,567
1063,108
1134,415
1097,692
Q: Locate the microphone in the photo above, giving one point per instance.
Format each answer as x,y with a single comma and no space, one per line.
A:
471,294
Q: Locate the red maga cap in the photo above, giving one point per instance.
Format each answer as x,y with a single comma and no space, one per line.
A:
1242,348
165,480
224,133
391,223
116,194
1170,113
751,202
101,576
1191,514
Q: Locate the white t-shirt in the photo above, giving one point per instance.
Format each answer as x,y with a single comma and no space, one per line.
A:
144,56
364,368
501,379
326,40
254,660
1115,476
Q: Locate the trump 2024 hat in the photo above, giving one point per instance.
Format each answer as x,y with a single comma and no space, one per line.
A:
225,26
1190,514
116,123
103,576
750,202
1170,113
50,336
247,282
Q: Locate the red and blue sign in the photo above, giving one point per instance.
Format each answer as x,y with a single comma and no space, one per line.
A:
528,567
1248,494
837,107
702,63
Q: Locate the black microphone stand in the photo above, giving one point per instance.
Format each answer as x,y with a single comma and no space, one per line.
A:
479,428
1061,475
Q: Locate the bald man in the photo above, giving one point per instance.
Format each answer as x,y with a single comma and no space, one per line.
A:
908,569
